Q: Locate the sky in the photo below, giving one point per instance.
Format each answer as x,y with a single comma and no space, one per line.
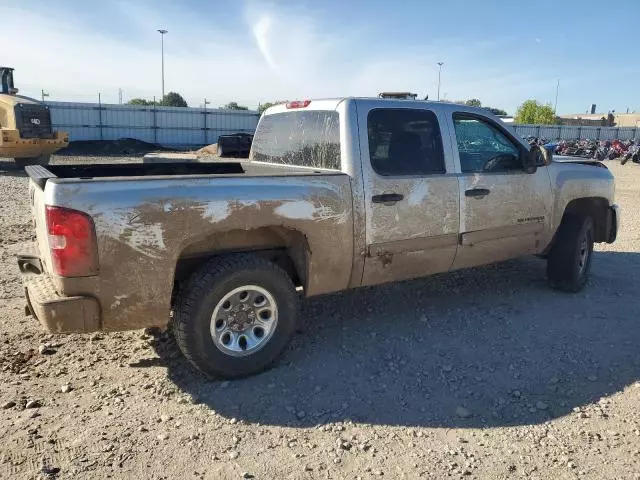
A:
250,51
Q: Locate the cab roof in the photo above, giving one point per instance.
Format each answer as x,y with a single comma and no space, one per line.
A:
332,104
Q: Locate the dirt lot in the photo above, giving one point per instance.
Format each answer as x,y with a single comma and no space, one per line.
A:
484,373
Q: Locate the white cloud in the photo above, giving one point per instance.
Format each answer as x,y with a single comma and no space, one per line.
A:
273,55
261,31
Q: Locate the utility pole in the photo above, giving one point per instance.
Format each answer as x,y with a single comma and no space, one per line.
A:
100,115
206,137
162,34
44,94
439,74
120,96
155,121
555,107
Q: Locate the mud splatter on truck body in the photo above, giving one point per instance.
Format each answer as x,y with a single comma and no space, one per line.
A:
154,223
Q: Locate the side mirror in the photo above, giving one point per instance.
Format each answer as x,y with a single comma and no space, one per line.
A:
530,161
537,156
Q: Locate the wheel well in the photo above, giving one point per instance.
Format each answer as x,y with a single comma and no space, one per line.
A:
595,207
285,247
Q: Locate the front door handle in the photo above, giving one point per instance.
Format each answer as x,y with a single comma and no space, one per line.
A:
388,198
477,192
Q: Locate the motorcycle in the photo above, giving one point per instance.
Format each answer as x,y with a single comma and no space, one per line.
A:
633,154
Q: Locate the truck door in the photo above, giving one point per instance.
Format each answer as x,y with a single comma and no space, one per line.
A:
505,212
411,193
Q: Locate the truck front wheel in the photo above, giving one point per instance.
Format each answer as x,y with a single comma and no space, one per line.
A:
235,315
569,260
41,160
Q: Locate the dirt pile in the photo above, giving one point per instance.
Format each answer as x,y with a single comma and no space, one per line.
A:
121,147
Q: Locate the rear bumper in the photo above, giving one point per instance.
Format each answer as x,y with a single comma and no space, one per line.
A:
613,223
57,313
12,146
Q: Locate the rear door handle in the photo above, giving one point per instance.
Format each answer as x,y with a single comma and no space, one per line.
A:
477,192
387,198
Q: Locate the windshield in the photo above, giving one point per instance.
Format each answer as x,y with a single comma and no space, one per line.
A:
304,138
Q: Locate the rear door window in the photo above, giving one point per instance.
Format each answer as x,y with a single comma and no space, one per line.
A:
304,138
405,141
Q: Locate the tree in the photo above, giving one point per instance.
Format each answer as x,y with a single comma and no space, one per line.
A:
496,111
139,101
235,106
173,99
474,102
532,111
263,106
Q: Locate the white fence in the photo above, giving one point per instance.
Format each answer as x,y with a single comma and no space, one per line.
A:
189,127
572,132
168,126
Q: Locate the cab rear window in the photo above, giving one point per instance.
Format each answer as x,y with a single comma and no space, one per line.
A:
304,138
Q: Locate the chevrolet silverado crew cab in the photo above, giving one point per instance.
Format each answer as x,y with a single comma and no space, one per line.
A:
336,194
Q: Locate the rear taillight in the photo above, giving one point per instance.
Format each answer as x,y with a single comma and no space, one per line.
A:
72,241
298,104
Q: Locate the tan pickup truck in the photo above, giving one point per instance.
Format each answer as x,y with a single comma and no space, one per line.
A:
336,194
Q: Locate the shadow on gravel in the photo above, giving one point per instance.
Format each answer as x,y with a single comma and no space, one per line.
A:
10,169
495,341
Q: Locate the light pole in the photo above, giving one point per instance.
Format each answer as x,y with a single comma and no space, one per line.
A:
439,73
162,34
44,94
555,107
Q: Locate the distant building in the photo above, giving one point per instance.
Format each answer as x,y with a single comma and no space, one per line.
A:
602,119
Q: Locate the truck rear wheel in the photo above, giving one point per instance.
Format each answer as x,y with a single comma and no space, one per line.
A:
41,160
235,315
569,260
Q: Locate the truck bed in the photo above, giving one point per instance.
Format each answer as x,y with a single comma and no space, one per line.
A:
40,174
149,219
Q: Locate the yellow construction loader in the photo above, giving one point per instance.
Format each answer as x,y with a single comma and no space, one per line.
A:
26,133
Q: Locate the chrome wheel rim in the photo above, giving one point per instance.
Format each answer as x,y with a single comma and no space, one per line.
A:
583,255
244,320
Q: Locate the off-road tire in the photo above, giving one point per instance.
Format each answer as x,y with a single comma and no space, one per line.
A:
564,270
41,160
201,293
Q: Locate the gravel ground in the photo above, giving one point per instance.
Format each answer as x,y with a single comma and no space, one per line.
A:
483,373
